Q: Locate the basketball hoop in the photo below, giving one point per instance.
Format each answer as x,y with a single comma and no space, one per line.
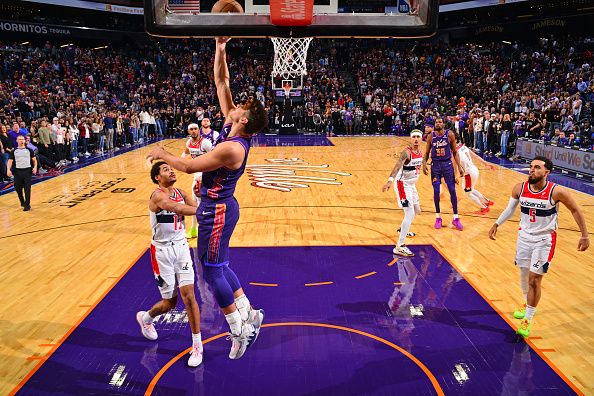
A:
290,55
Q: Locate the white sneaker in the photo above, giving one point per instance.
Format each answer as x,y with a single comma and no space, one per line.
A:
239,343
403,251
195,358
408,234
256,317
148,329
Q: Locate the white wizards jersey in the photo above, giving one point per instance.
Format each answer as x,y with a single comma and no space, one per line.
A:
465,158
168,226
202,145
538,211
410,172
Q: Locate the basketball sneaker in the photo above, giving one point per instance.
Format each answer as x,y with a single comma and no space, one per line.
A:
195,358
437,223
256,317
409,234
520,312
457,224
483,211
148,329
491,203
402,251
240,342
192,232
524,329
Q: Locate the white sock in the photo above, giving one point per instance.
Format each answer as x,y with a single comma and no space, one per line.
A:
530,311
409,215
438,215
147,318
197,340
243,305
455,216
234,320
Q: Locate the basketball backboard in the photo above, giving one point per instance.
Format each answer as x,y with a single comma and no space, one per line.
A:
332,18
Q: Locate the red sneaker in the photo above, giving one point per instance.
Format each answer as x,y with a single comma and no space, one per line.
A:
483,211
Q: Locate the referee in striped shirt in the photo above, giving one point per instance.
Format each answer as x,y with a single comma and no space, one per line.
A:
25,166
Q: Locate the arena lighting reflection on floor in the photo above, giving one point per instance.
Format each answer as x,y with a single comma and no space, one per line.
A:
329,339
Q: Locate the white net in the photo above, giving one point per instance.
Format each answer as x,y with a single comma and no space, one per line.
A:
289,57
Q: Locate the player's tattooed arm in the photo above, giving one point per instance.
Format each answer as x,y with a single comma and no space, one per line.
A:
562,195
188,198
452,140
402,159
161,200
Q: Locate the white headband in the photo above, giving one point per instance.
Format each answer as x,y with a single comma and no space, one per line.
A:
416,132
193,126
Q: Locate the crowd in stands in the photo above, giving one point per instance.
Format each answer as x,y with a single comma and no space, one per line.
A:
75,102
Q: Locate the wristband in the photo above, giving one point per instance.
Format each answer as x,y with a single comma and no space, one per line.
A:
391,179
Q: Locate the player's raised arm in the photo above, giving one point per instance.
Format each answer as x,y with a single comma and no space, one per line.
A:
401,160
161,200
427,152
561,194
221,76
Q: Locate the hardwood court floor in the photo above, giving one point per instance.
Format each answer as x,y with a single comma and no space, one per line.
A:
87,227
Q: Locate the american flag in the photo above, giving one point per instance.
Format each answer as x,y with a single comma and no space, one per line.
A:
184,5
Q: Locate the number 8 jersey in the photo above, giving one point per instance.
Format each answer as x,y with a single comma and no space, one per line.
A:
539,215
168,226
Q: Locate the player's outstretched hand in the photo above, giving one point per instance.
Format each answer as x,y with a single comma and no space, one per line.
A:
583,244
425,172
156,153
222,41
493,232
386,186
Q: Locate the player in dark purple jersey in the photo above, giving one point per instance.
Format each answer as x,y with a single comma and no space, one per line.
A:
218,211
441,144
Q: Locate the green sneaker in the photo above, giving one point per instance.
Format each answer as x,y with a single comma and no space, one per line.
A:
520,312
524,329
192,232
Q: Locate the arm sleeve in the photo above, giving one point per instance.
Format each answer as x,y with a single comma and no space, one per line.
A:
508,212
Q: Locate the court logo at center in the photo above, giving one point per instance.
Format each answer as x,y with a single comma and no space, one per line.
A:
285,174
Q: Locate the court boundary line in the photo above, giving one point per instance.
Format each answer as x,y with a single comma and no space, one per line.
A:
265,207
511,324
151,386
46,357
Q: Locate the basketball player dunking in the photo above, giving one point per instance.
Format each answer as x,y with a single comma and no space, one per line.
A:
406,173
471,175
441,144
539,201
218,212
199,143
170,257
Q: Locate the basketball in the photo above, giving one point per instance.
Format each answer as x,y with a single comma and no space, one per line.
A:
222,6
